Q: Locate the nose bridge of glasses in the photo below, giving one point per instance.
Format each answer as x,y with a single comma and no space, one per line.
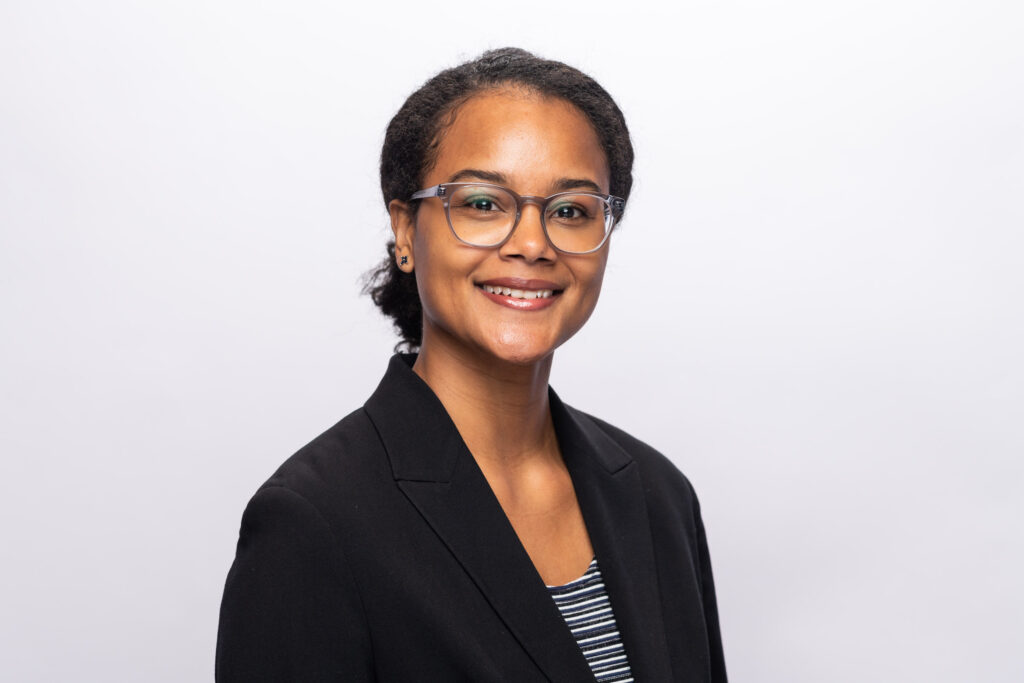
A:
538,231
539,202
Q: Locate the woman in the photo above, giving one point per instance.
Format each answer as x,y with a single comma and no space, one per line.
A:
465,524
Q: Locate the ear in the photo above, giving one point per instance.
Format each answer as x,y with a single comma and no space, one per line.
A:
403,224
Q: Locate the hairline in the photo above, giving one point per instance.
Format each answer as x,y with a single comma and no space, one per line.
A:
447,116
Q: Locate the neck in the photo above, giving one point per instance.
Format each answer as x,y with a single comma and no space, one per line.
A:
500,409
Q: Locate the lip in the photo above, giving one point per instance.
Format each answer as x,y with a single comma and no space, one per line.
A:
520,283
519,304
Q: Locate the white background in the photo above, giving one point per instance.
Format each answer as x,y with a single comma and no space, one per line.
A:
813,306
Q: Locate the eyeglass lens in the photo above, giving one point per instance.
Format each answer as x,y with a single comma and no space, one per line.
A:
484,216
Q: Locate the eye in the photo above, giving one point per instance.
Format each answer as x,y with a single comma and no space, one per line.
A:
481,203
567,211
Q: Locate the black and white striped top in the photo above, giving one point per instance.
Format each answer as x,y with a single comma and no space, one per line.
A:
587,611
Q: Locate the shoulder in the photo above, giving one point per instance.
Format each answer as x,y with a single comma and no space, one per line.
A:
652,462
663,481
292,584
335,474
343,446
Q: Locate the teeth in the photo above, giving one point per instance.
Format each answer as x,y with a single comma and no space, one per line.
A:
520,293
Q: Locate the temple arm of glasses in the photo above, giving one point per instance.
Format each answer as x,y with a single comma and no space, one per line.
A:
429,192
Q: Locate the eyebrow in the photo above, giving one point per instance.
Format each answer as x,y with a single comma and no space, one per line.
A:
487,176
560,185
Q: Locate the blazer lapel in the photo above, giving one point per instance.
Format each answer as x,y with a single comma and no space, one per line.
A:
611,497
439,476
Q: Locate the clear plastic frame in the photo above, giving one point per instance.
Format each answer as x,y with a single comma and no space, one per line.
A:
486,215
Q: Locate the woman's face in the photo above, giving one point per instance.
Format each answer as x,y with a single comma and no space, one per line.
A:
533,145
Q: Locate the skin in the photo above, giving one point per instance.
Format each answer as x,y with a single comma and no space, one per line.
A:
489,364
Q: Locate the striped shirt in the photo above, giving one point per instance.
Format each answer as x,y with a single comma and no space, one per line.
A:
588,613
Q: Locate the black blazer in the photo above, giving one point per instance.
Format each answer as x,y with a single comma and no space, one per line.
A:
378,552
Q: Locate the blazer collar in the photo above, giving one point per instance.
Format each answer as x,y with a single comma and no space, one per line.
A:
410,417
612,498
439,476
420,438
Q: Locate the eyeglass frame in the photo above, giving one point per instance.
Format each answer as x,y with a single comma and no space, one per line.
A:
616,204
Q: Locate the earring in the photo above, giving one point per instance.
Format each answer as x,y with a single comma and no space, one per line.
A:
405,260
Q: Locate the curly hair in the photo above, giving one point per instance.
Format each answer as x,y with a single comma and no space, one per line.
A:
415,133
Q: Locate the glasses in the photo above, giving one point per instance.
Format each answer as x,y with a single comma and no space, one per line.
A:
485,215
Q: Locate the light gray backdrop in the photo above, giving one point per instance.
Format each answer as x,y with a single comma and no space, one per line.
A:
813,306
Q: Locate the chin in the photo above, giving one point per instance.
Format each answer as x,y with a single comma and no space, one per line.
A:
518,349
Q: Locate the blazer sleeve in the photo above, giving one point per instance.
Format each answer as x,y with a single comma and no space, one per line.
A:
291,609
718,674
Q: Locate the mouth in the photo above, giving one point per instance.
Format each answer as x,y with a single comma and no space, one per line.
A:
519,293
523,295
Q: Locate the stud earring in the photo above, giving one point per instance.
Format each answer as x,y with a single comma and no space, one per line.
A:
405,260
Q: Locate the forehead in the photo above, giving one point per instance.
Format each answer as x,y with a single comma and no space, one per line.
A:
532,140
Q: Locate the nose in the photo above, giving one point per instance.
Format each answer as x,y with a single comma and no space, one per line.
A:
528,240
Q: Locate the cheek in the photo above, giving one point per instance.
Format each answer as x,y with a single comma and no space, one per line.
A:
593,291
590,303
597,282
430,281
592,279
442,276
429,270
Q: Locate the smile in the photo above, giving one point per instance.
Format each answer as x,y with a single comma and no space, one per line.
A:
519,293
